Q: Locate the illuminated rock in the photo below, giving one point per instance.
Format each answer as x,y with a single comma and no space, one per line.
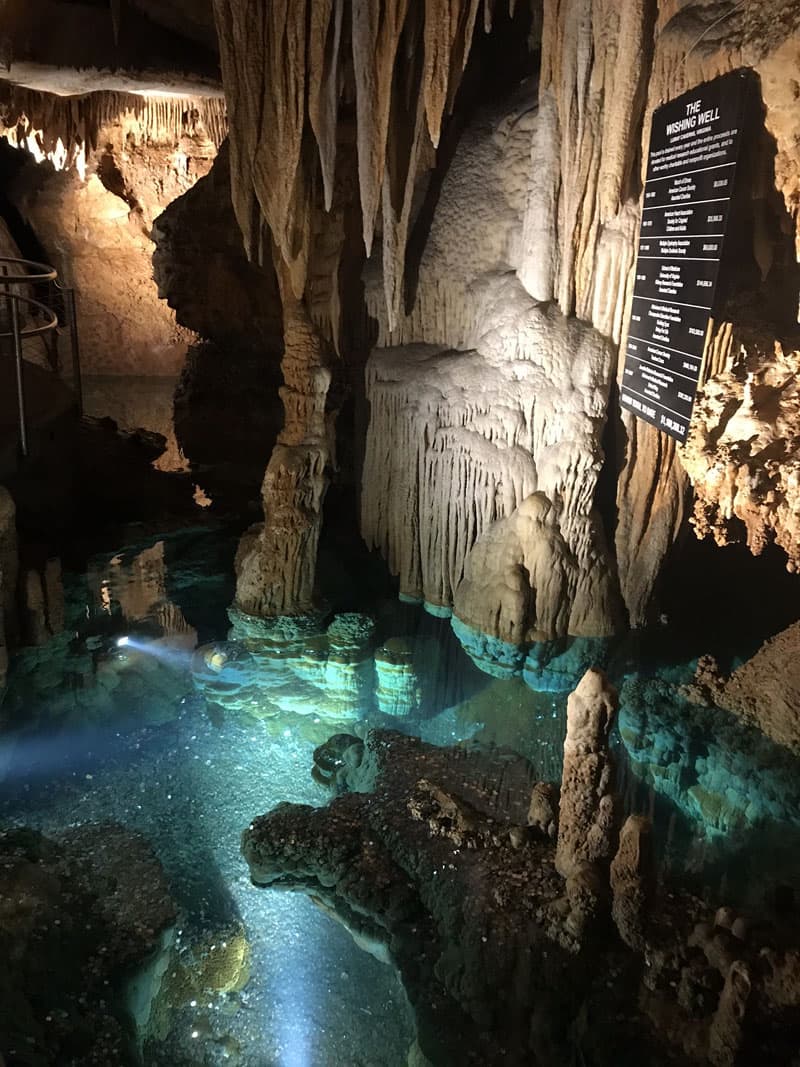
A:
492,452
743,450
398,691
425,856
586,827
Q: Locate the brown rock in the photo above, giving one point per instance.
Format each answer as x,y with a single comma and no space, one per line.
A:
631,880
586,831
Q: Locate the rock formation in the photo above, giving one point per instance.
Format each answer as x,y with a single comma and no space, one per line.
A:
446,857
764,692
79,915
457,445
743,451
586,825
276,566
103,167
632,881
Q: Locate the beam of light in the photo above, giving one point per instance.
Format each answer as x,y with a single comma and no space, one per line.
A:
28,757
295,1018
173,657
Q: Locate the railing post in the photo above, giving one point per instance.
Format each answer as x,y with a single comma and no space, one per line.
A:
23,421
77,384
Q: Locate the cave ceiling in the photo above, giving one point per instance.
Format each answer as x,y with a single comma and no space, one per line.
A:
63,47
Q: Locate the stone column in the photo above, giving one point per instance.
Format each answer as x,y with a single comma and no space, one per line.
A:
276,564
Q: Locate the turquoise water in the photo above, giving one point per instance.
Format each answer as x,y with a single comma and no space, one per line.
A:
142,750
100,729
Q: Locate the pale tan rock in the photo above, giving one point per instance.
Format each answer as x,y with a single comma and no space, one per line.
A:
743,450
586,826
276,566
122,160
765,691
376,36
458,441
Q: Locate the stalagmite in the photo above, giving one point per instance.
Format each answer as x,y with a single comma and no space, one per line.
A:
725,1036
586,828
632,880
276,567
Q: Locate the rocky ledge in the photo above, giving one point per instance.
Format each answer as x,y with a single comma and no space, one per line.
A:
525,919
78,917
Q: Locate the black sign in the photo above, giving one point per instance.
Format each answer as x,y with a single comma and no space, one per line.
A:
694,145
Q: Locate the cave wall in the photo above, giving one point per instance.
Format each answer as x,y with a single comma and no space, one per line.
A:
95,172
604,67
504,239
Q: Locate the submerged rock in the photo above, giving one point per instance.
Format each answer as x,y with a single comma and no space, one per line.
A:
77,914
446,857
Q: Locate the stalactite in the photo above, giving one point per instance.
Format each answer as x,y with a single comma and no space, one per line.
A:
449,25
76,121
290,67
377,29
403,156
323,89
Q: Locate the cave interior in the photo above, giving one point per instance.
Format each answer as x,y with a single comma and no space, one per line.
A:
399,533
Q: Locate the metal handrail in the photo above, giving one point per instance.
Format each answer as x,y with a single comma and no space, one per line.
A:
35,274
45,273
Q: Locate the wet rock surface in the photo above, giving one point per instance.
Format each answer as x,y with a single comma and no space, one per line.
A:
432,853
78,915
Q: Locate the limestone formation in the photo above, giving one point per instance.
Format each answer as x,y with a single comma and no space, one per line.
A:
632,880
102,167
764,692
425,851
586,825
543,810
398,685
457,442
743,450
725,1036
276,568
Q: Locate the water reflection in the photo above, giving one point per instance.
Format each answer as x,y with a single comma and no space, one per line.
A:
151,710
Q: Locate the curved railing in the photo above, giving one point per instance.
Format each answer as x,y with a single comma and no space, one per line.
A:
44,321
